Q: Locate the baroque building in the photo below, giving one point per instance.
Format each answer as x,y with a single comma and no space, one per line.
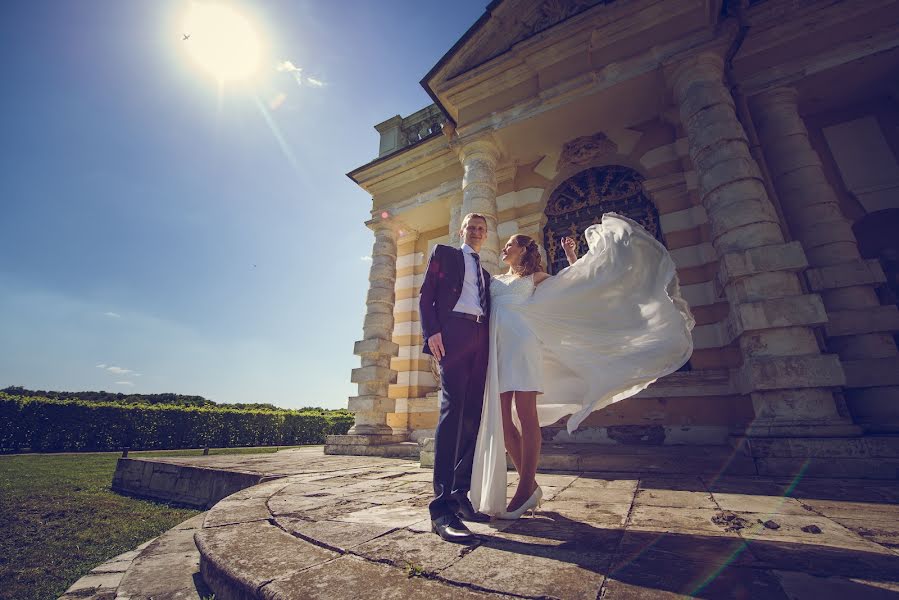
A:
758,140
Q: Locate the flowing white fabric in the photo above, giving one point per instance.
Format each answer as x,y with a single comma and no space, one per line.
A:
607,327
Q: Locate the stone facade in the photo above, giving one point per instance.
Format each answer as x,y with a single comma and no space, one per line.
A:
757,140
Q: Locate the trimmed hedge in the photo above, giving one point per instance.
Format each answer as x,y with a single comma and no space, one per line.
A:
45,425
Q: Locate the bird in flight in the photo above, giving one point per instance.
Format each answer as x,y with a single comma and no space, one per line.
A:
185,37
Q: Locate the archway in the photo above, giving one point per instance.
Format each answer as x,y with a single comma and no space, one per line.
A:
581,200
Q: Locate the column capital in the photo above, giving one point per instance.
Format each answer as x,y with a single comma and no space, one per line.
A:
383,222
783,95
482,147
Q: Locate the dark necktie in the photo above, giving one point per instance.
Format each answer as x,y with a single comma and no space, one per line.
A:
482,292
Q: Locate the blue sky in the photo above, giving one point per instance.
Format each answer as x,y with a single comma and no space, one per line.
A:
156,234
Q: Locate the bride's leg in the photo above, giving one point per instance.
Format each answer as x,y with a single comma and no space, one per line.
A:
531,442
511,437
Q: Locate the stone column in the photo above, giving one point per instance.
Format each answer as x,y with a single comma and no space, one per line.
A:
479,158
859,329
372,405
790,382
455,221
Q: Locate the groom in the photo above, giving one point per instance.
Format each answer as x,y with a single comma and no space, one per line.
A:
454,308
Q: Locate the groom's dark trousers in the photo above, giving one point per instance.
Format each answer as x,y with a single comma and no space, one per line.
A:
463,372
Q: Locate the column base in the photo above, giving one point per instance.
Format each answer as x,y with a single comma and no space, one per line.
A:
394,445
778,430
864,457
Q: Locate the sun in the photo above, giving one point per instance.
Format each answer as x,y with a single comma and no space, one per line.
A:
222,42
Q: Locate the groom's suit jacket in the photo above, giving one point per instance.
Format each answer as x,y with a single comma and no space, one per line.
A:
441,290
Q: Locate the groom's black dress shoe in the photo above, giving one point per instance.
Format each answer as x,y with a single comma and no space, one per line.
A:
466,511
451,529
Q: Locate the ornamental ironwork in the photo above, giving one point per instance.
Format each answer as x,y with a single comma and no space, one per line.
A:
581,201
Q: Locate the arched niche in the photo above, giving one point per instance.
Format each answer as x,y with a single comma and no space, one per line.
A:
582,199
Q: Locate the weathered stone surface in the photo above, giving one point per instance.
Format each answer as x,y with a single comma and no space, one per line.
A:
861,272
802,585
228,512
674,498
353,577
667,518
759,504
337,535
394,516
551,563
596,535
402,548
236,560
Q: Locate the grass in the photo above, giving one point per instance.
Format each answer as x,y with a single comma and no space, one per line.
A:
59,518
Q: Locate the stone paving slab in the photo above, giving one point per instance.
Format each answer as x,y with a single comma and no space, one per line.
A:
358,527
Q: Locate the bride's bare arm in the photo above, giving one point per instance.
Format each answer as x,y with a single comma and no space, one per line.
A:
569,245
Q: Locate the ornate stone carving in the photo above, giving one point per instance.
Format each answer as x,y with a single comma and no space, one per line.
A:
551,12
588,148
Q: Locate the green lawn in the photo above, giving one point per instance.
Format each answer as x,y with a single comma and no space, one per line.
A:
59,518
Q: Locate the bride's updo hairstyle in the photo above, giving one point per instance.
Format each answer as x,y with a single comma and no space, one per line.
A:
530,260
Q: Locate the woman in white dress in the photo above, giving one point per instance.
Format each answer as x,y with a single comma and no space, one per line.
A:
601,330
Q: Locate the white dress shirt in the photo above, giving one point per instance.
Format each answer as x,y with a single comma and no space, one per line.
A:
469,301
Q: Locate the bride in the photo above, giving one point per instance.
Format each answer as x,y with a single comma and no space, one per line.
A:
600,331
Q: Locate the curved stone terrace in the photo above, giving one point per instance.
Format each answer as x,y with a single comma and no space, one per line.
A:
358,527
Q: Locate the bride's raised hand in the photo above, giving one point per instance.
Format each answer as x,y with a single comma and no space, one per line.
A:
569,245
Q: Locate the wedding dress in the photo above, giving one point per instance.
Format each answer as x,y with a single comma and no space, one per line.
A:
600,331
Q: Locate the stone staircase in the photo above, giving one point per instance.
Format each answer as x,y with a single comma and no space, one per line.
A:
353,526
165,567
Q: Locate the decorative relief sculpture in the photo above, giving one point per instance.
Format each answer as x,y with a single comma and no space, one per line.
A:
555,11
586,149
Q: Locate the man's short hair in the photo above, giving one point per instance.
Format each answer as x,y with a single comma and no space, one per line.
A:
471,216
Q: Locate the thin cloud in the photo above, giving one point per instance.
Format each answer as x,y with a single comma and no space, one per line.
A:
101,366
119,370
124,383
113,315
286,66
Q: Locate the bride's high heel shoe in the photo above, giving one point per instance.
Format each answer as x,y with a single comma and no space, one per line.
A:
531,504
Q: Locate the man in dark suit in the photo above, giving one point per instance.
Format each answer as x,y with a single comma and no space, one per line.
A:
454,308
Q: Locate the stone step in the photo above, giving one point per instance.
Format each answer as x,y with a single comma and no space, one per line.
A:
610,458
866,457
184,484
164,567
394,450
363,531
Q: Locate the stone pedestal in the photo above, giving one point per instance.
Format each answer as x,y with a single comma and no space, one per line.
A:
790,382
374,376
479,159
859,329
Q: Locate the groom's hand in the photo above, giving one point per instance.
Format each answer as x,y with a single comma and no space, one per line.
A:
435,343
